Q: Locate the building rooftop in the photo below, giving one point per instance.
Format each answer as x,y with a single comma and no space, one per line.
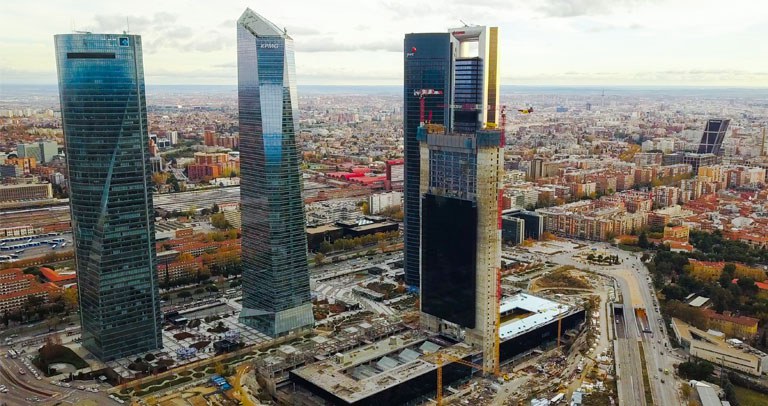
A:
322,229
364,371
698,301
260,26
707,394
727,316
522,312
733,348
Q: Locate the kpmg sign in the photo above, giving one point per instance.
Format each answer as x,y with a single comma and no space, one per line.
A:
270,45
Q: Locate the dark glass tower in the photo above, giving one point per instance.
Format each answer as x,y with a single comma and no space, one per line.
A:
104,114
713,136
468,95
428,65
276,296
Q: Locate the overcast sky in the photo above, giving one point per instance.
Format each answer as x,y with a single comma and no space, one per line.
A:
359,42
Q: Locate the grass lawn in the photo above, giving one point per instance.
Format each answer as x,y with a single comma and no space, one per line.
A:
748,397
630,248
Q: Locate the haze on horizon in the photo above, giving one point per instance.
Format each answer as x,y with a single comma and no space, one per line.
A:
548,42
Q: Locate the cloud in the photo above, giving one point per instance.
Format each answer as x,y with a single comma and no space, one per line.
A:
209,43
602,27
577,8
228,65
116,22
302,31
228,24
161,32
326,44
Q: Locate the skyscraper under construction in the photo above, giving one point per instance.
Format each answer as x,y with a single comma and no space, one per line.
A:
460,170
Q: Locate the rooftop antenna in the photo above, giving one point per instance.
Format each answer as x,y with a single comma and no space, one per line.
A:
127,26
465,24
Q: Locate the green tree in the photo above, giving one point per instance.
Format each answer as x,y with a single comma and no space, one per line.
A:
175,186
642,240
219,221
699,370
324,247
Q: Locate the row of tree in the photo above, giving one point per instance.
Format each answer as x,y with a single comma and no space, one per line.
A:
343,244
715,247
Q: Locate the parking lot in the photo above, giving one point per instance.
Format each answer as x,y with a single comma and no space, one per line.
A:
16,248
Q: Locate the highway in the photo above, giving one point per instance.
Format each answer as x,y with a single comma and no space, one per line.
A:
632,279
25,389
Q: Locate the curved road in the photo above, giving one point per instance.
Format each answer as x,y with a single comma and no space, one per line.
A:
631,276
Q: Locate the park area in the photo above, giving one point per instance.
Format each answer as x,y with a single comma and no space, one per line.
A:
749,397
54,359
564,277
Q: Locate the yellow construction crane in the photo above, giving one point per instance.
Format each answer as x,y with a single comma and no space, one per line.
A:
559,321
244,398
438,359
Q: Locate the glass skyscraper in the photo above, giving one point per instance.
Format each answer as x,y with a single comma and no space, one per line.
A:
713,136
428,65
276,297
104,115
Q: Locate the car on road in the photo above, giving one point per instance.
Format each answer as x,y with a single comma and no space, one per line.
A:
21,371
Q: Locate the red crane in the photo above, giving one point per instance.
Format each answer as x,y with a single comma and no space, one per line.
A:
421,93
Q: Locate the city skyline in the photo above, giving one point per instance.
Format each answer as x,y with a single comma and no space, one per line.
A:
557,43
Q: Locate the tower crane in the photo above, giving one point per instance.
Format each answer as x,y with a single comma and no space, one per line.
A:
559,320
244,398
421,93
439,358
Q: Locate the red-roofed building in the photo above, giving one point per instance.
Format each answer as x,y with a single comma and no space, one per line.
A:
760,285
16,288
676,246
742,327
178,270
57,278
370,180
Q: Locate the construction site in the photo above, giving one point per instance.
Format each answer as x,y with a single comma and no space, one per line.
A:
409,367
465,331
